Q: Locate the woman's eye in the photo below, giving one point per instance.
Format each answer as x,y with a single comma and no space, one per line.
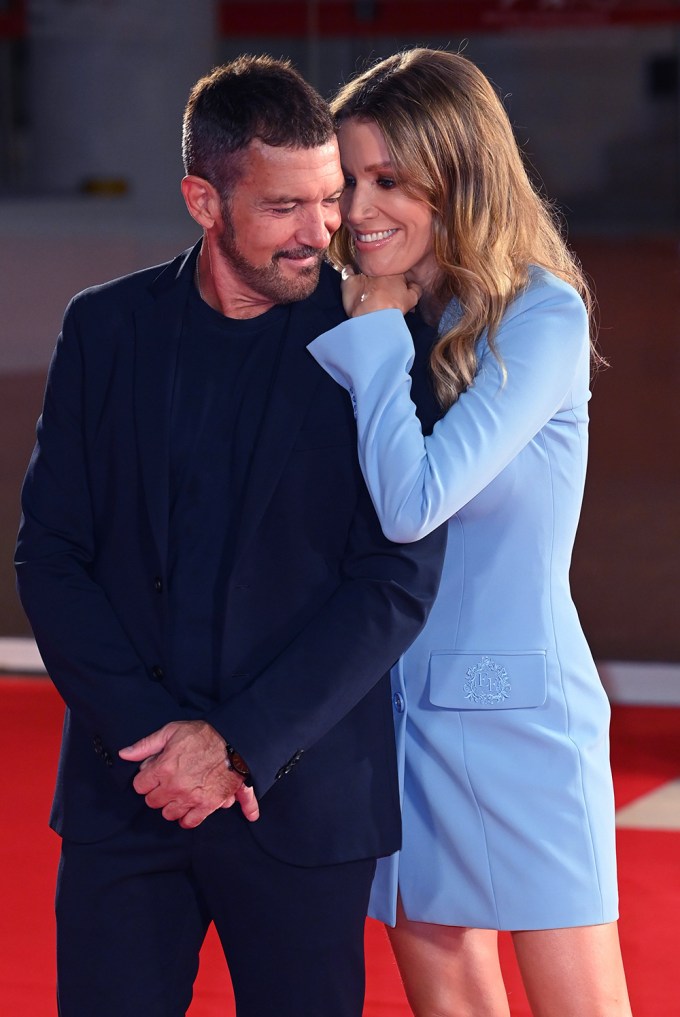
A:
386,182
349,181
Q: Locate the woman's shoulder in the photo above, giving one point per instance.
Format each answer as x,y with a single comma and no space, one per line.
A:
546,322
548,311
545,289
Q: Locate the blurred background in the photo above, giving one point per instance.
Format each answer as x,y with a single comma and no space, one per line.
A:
91,99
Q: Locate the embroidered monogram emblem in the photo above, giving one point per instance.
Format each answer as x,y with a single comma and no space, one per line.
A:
487,683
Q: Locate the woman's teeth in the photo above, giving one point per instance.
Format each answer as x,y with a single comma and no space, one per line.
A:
369,238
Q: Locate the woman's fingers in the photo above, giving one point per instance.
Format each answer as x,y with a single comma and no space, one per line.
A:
363,294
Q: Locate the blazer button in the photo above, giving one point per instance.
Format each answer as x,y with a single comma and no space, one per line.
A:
157,672
398,701
158,584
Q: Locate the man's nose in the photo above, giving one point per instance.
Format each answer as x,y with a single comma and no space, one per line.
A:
319,227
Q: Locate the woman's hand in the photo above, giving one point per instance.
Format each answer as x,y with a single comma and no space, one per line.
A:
362,294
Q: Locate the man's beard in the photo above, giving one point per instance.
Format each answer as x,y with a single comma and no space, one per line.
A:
268,280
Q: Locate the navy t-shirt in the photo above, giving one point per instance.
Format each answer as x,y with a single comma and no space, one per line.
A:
224,371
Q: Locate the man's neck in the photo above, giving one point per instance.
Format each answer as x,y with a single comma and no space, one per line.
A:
231,302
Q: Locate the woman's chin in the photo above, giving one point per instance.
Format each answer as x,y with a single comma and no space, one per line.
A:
377,267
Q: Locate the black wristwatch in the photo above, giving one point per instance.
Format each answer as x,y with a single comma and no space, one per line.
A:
236,763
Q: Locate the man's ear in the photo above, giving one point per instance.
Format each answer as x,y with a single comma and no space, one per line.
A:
202,201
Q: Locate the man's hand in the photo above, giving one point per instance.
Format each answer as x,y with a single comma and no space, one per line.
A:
184,773
362,294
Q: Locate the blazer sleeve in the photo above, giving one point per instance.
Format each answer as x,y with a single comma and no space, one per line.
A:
418,482
88,655
353,640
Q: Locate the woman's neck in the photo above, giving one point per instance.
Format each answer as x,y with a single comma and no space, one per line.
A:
431,307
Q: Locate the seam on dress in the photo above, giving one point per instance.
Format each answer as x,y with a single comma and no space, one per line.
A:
461,723
558,660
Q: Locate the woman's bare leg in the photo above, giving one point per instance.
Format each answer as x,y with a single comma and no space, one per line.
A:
573,972
449,971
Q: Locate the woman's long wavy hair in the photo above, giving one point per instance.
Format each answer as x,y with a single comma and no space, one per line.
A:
452,146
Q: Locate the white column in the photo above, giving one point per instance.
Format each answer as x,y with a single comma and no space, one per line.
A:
108,83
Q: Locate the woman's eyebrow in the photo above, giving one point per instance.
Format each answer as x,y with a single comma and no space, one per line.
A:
374,166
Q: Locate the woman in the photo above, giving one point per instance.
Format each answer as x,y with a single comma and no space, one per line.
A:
502,724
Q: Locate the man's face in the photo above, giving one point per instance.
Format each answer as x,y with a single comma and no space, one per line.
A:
278,221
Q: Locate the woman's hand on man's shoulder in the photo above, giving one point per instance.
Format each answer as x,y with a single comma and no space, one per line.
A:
362,294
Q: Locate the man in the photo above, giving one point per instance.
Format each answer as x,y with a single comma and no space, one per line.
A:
212,594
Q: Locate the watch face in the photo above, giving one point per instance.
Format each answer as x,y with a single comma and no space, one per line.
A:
236,763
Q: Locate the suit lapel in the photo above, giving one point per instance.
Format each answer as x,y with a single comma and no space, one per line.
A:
293,386
158,326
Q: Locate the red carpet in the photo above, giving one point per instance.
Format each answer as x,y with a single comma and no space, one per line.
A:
644,755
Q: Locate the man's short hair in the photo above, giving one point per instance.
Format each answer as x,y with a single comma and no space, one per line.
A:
250,97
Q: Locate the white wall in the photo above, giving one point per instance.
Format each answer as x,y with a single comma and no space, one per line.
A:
50,250
578,101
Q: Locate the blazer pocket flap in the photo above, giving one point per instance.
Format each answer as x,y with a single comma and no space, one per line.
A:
467,680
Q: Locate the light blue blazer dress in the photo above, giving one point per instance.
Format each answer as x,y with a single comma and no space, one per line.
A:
502,723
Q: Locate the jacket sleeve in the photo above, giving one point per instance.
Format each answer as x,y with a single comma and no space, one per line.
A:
88,655
418,482
377,611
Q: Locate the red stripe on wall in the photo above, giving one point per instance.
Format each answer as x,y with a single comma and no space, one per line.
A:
403,17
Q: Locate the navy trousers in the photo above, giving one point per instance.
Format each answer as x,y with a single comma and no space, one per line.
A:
133,910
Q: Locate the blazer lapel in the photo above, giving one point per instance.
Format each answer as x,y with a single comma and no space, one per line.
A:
292,388
158,326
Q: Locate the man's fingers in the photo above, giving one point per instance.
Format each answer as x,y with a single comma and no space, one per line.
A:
190,816
150,745
247,799
148,779
173,811
183,772
155,796
194,818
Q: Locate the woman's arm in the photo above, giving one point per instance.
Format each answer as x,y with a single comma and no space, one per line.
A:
418,482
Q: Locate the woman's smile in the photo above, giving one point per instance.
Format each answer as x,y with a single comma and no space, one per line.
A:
392,230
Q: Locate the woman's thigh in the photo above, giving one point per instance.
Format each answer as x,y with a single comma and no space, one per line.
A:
449,970
576,972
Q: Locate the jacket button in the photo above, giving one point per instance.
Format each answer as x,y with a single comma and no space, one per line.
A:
158,584
157,672
398,701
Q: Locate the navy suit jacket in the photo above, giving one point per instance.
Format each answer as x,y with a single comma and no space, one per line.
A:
320,603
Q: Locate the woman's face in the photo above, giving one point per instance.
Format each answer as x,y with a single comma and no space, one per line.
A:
392,231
